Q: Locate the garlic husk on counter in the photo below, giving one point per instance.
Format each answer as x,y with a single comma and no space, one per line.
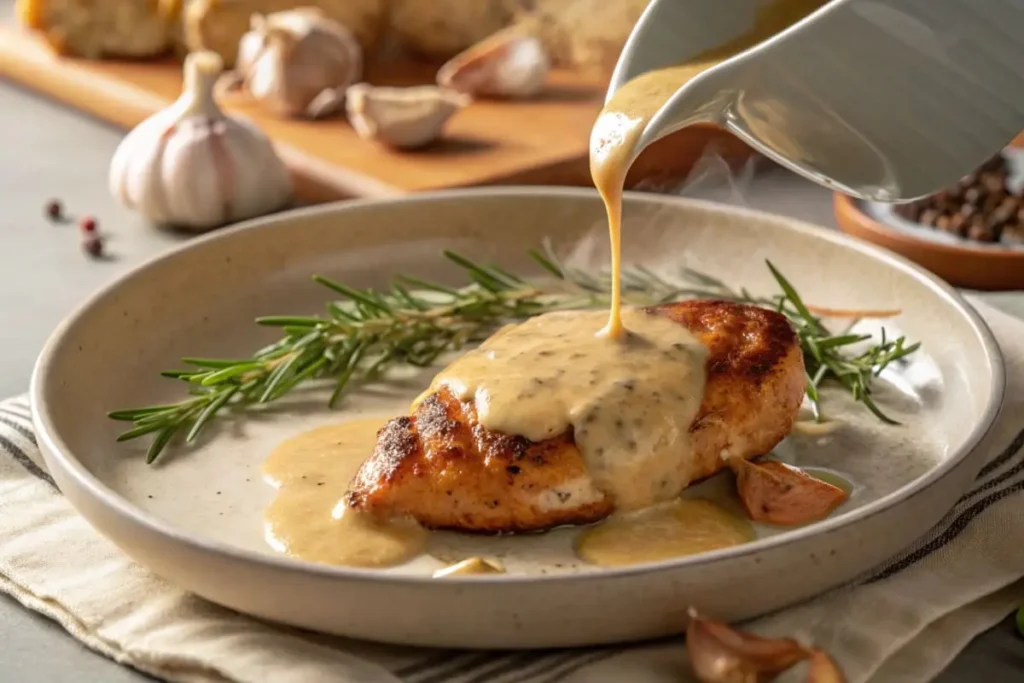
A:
298,63
404,118
509,64
192,166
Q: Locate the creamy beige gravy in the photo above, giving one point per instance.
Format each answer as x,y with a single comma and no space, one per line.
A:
662,532
311,472
629,400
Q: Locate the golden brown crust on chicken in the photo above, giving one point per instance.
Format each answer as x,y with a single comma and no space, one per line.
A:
441,467
755,380
472,478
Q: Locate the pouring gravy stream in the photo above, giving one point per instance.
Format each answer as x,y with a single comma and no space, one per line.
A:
628,389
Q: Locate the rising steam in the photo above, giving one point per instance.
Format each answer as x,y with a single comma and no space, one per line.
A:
711,179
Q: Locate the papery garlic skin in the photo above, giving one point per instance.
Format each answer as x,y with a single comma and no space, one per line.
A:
194,167
298,63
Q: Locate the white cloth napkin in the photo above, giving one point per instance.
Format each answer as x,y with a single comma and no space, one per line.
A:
901,623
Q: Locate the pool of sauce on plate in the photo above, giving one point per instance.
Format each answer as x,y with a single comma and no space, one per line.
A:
629,400
662,532
307,520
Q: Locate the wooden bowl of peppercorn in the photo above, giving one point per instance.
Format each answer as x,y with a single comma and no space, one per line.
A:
970,234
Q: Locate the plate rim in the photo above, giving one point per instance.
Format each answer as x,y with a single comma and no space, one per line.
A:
49,439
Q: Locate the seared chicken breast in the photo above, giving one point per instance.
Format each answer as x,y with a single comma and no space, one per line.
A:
444,469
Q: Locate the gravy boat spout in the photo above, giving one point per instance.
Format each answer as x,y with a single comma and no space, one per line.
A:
886,100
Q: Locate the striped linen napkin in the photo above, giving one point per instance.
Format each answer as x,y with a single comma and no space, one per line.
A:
901,623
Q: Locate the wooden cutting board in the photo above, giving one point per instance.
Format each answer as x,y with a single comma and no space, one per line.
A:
543,141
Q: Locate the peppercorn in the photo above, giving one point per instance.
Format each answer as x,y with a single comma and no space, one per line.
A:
957,223
981,230
993,181
54,210
1005,211
993,200
981,206
974,195
87,224
929,216
93,246
1012,234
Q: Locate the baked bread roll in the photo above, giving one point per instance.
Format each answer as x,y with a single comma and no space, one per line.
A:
583,35
99,28
440,29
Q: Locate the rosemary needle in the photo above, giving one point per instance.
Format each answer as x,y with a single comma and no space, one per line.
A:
365,332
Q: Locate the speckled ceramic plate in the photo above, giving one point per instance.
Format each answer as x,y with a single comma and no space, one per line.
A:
197,519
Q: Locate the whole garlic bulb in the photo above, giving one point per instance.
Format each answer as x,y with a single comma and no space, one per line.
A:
298,62
193,166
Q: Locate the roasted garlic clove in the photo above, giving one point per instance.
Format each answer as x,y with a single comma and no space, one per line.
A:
473,565
775,493
133,29
298,62
509,64
404,118
439,29
721,654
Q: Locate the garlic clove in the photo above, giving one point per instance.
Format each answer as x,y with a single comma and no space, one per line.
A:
290,59
721,654
816,428
509,64
403,118
776,493
469,567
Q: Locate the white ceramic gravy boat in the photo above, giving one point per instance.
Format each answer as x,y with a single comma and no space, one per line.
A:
881,99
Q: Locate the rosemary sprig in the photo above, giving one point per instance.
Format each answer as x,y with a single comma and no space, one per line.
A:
365,332
826,354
